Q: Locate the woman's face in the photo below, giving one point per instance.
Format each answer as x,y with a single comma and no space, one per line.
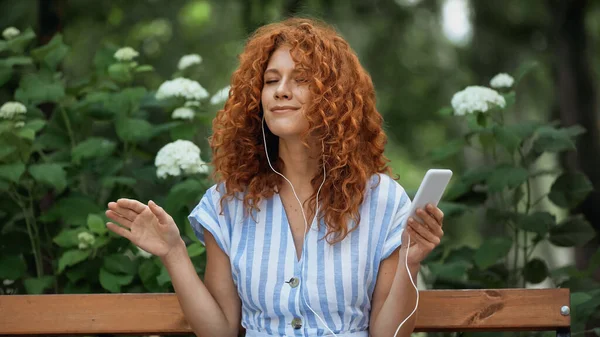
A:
285,96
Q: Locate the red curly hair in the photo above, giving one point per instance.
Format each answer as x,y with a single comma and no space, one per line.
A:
342,115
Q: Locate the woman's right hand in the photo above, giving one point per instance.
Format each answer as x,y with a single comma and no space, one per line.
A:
148,227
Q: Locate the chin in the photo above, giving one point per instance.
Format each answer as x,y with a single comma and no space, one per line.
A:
287,128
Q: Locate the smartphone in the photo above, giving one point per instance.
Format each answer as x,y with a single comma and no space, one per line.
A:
430,191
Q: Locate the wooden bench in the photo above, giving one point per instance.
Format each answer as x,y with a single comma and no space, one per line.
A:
160,314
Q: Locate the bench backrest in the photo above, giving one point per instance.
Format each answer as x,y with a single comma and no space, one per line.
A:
439,310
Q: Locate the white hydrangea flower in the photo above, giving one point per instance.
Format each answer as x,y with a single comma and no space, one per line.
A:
502,80
177,157
10,33
181,87
19,124
8,282
143,253
126,54
188,61
221,96
11,109
183,113
475,98
85,240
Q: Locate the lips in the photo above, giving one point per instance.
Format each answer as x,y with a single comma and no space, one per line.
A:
283,109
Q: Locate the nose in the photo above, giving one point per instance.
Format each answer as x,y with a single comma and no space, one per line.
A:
283,90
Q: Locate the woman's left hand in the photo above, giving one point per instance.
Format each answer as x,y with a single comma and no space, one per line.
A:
424,237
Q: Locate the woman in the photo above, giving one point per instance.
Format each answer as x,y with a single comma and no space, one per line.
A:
303,229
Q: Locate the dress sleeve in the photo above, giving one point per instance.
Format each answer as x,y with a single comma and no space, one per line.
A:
393,239
207,216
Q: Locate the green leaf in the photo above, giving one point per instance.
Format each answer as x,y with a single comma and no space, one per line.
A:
12,267
38,88
96,224
35,124
26,134
570,189
456,270
594,262
126,101
113,282
163,278
447,150
101,241
452,208
539,222
93,147
6,150
523,70
148,273
133,130
120,72
67,238
573,231
71,258
510,99
524,129
506,176
491,251
35,286
12,172
574,130
110,182
553,140
50,174
144,68
535,271
486,139
119,264
507,138
184,131
17,61
52,53
446,111
181,193
195,249
18,44
73,210
5,74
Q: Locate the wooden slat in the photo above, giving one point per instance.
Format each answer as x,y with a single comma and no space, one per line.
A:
439,310
492,310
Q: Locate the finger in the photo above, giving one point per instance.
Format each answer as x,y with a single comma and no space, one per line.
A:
118,218
119,230
122,211
437,213
431,222
132,204
423,231
163,217
417,238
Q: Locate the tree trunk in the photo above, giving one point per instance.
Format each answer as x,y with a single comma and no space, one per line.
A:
577,104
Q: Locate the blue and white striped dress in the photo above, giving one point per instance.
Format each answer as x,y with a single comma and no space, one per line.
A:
337,281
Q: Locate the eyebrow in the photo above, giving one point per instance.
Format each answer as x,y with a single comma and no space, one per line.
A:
275,71
272,70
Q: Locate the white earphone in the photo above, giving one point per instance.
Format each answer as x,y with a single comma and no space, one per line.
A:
306,226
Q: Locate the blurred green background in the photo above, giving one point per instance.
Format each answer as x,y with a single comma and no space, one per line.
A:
418,52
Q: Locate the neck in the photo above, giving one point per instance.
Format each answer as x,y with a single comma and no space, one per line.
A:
301,164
